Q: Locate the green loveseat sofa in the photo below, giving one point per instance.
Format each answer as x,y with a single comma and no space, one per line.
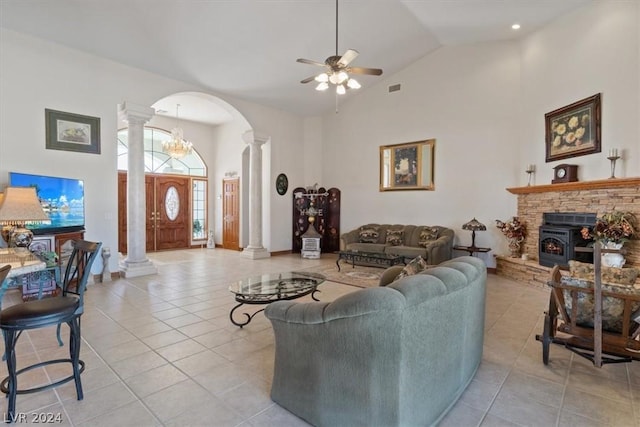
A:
395,355
433,243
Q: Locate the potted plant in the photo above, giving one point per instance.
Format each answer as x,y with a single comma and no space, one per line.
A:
515,231
611,231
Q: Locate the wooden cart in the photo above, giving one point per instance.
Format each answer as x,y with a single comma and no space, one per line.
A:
598,344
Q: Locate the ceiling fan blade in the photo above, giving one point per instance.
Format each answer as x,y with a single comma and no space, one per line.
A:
310,61
362,70
348,56
308,79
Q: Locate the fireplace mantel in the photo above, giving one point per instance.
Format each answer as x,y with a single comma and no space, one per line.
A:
577,186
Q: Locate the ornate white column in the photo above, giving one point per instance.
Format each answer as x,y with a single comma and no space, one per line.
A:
136,263
255,250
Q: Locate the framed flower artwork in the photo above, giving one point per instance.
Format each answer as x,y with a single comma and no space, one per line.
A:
573,130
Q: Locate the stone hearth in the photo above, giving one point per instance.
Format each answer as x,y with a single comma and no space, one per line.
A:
587,196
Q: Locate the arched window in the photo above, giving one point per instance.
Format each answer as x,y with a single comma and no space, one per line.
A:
156,161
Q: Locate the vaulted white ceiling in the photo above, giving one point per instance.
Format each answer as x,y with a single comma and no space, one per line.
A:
248,48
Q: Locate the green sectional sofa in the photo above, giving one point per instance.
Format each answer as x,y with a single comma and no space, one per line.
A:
395,355
433,243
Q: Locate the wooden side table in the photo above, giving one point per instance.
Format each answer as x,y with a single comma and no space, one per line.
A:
471,249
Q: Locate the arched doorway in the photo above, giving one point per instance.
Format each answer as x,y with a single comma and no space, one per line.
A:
175,193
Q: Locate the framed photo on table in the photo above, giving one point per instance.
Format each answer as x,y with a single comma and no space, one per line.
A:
72,132
573,130
408,166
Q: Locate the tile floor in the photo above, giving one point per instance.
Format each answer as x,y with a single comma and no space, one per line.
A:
160,351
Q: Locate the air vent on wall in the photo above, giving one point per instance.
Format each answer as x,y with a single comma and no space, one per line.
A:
394,88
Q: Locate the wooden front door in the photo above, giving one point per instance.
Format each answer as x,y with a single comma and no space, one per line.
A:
167,212
172,212
231,214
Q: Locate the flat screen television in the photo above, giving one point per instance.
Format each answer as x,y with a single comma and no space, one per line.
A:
61,198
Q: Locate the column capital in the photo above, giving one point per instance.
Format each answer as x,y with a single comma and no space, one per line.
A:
128,111
249,137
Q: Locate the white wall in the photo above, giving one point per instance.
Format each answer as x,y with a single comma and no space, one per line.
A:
37,74
465,97
485,104
592,50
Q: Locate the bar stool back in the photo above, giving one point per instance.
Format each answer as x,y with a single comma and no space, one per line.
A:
65,308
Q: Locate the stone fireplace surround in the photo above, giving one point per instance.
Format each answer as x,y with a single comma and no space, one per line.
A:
583,196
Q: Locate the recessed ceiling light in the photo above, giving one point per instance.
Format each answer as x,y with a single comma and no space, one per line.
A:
515,26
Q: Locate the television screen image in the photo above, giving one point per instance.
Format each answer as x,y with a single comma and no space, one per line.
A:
61,198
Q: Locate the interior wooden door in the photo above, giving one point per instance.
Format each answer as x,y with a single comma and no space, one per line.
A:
231,214
122,212
172,228
150,213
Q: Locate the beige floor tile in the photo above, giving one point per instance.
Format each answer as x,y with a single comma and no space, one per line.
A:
154,380
196,329
200,362
164,339
211,412
133,414
276,416
184,396
98,402
606,411
249,398
180,350
521,410
138,364
462,415
124,351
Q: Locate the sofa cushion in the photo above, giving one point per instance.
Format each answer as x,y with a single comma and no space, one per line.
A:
624,276
369,234
427,236
612,307
416,265
394,237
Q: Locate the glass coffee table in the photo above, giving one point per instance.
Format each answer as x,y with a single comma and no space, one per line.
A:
267,288
375,259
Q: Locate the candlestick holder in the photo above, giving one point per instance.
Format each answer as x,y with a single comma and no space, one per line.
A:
613,165
530,171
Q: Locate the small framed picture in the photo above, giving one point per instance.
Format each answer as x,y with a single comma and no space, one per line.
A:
573,130
72,132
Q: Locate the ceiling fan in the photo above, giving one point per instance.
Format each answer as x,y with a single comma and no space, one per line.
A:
337,69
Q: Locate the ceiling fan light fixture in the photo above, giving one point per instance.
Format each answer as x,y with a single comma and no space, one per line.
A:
353,84
322,78
340,90
322,86
342,77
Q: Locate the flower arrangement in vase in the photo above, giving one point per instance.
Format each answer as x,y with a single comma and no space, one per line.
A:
515,231
611,231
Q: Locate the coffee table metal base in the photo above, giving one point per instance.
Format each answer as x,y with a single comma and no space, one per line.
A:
249,317
369,258
265,289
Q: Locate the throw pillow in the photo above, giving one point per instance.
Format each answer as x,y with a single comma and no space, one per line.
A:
369,234
612,307
623,276
427,236
394,237
416,265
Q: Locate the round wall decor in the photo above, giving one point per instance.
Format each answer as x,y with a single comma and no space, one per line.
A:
282,184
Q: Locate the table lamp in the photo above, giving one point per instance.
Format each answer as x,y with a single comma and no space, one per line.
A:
20,206
474,225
